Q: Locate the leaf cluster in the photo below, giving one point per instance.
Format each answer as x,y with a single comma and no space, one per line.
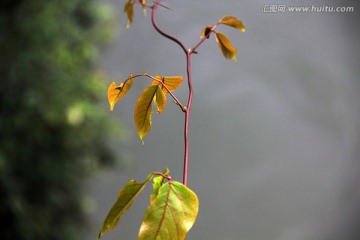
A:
155,93
171,214
129,9
227,49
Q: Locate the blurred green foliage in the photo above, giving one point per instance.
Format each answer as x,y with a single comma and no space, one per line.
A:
53,129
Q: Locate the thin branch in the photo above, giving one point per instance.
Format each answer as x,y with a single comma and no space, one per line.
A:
162,5
183,108
203,38
167,176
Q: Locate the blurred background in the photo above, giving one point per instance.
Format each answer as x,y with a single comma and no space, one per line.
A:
54,129
274,136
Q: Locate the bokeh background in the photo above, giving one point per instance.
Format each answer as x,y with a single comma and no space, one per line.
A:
274,136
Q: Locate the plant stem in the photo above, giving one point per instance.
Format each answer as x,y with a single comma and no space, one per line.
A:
188,107
203,38
187,118
153,13
188,69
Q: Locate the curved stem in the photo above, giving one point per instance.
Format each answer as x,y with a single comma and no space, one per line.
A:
153,13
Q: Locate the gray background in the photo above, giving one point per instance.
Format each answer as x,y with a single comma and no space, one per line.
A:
274,136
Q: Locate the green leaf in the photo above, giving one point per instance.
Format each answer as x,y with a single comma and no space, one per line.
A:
115,93
126,198
129,10
143,108
171,213
158,182
233,22
225,46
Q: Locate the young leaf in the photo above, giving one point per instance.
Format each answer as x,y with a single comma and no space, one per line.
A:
158,182
171,82
233,22
225,46
129,10
171,213
115,93
143,4
126,198
143,108
205,32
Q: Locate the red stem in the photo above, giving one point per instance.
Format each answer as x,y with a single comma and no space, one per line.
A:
187,119
153,12
188,69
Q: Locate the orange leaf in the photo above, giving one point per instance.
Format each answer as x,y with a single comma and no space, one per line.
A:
115,93
225,46
171,82
233,22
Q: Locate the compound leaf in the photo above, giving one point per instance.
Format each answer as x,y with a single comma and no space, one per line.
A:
225,46
171,214
171,82
233,22
115,93
126,198
129,10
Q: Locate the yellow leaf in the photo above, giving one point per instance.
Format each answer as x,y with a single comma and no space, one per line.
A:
160,99
115,93
171,82
233,22
129,10
143,111
225,46
206,31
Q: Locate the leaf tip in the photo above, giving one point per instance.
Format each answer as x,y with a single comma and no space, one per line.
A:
101,233
142,139
111,107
